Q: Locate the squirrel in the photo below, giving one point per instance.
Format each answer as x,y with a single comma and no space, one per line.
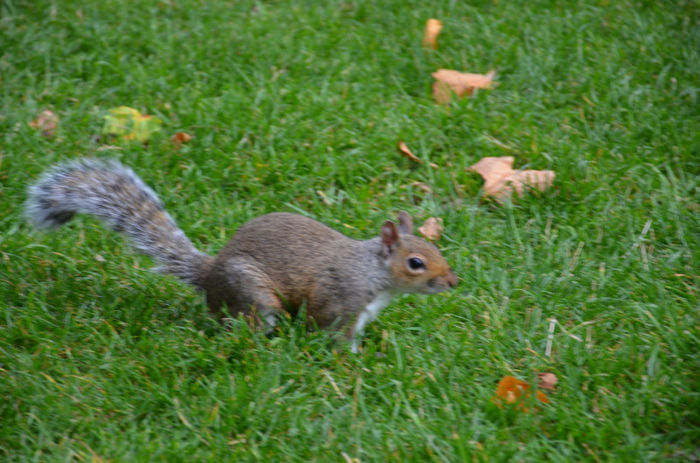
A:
275,263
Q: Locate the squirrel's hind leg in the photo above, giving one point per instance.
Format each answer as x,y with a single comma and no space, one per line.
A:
241,289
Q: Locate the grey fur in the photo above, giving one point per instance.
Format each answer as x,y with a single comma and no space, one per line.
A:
115,194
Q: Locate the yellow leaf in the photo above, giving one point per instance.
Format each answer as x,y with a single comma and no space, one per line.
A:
129,124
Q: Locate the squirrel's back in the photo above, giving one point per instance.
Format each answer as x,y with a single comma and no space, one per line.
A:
298,253
115,194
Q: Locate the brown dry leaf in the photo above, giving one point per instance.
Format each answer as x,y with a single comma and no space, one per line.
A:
180,137
425,188
547,381
431,32
403,149
406,152
463,84
431,229
500,179
511,390
46,122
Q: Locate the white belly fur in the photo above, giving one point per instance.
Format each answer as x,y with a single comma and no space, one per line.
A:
368,314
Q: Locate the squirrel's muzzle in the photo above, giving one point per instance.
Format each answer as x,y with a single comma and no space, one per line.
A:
441,283
452,279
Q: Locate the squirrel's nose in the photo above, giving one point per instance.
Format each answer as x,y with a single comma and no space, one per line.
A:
452,279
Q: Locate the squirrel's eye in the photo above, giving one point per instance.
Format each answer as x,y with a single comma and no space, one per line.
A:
415,263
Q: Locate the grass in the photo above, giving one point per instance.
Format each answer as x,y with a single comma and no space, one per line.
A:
298,106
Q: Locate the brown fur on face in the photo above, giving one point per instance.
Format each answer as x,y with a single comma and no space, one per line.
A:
437,276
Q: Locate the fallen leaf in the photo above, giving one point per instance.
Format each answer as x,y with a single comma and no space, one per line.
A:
431,32
500,179
511,390
46,122
425,188
129,124
406,152
431,229
403,149
547,381
463,84
180,137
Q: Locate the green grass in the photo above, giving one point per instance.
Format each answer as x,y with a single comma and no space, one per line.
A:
298,106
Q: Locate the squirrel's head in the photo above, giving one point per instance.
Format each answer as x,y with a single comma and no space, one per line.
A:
416,265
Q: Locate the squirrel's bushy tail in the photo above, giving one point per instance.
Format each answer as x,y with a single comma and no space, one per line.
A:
115,194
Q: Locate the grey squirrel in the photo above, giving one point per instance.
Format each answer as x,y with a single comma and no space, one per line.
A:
274,263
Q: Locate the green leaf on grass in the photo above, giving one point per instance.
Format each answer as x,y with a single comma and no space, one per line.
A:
129,124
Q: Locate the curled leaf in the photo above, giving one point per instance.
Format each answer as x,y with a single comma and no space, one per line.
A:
500,179
129,124
431,32
404,149
511,390
463,84
431,229
46,122
406,152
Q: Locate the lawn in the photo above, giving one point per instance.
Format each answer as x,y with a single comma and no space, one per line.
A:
298,106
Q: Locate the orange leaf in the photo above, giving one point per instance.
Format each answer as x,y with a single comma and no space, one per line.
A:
431,32
511,390
46,122
181,137
500,179
463,84
431,229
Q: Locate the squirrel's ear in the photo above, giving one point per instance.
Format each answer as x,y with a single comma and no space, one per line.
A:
405,223
390,237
